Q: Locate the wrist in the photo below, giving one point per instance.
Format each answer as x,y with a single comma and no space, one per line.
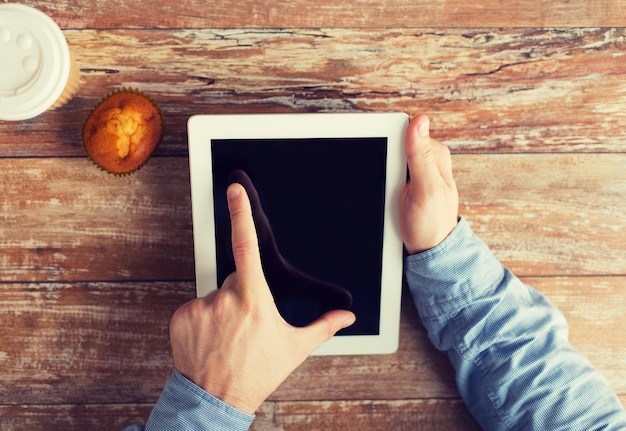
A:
430,239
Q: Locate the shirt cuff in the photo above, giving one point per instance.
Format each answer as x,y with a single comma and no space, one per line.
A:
184,405
460,270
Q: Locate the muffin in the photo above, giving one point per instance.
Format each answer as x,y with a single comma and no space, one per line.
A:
122,131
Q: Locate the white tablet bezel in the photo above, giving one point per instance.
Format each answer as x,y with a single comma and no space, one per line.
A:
204,128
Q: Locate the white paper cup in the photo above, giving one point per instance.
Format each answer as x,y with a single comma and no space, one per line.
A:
37,71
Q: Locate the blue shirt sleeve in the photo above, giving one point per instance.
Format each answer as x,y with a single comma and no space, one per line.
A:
515,368
185,406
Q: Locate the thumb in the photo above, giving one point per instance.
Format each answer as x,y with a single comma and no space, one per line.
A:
323,329
420,155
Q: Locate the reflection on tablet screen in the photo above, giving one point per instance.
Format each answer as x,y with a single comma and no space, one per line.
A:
324,199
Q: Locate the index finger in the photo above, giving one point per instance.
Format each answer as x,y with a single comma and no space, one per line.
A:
244,238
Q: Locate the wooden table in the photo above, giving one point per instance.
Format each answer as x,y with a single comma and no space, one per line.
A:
531,99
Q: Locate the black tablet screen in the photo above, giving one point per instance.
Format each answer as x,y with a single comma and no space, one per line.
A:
324,200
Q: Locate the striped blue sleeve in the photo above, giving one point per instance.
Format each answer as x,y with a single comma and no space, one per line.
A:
515,368
185,406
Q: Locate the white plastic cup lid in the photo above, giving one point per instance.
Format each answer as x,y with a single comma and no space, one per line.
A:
35,62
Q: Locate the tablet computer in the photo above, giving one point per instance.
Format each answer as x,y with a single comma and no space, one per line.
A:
325,189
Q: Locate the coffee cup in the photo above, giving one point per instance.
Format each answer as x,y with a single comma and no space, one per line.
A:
38,72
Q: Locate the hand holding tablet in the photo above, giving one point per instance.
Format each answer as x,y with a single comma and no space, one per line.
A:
429,202
328,186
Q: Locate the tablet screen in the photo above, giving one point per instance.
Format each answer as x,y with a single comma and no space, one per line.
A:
325,201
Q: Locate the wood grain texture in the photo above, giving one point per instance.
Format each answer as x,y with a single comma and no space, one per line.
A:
366,415
488,90
284,416
85,343
63,219
529,95
63,417
557,211
334,13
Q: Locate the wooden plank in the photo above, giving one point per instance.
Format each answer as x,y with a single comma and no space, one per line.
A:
83,343
286,416
86,342
365,415
72,416
63,219
488,90
334,13
547,214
